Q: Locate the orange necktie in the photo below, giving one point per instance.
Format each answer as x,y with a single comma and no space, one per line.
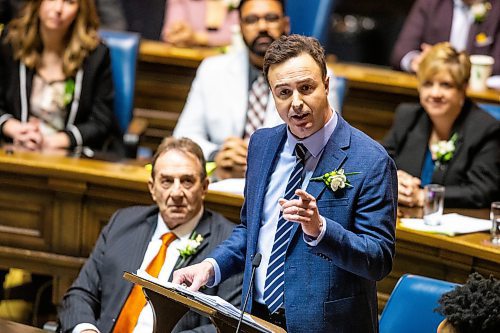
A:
135,302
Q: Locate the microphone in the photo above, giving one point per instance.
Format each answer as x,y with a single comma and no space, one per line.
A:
255,263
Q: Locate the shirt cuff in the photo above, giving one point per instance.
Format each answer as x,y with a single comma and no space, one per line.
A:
84,326
407,59
311,241
216,278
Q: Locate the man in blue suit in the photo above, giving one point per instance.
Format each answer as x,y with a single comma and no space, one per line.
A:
319,275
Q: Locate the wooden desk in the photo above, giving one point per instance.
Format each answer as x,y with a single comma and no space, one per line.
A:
12,327
52,209
165,74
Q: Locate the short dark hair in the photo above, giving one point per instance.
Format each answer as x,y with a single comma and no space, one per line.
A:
473,307
288,47
184,145
242,2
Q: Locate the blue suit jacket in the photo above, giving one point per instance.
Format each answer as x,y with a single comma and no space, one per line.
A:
330,287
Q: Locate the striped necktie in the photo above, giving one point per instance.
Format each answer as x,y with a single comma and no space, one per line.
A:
275,277
257,104
136,301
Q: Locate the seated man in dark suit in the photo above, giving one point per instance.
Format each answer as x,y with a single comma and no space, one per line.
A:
100,300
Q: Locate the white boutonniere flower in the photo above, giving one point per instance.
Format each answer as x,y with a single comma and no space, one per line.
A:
232,4
480,11
335,179
188,247
442,151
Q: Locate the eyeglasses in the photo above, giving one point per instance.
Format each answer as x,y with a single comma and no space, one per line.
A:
254,19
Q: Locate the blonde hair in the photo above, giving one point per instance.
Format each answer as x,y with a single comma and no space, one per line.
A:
443,57
24,36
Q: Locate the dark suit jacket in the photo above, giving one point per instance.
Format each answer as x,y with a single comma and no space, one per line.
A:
472,176
429,22
95,118
145,18
329,287
99,293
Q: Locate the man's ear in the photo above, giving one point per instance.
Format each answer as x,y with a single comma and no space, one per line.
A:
151,184
327,84
204,187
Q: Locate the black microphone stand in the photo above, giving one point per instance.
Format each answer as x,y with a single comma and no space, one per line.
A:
255,263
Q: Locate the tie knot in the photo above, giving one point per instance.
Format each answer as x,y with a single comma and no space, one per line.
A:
300,151
167,237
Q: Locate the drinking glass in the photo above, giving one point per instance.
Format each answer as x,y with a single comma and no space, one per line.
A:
495,222
433,204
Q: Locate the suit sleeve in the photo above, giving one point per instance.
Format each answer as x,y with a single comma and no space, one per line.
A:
81,303
411,35
101,121
192,122
367,248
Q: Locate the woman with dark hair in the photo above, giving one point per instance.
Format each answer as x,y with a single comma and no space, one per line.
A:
56,90
446,139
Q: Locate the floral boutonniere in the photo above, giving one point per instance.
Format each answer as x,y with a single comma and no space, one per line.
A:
69,90
188,247
480,11
442,151
232,4
335,179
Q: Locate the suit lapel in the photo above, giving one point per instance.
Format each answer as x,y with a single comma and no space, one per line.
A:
204,229
333,156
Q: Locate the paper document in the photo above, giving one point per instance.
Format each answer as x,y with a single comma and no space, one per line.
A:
215,302
230,185
451,225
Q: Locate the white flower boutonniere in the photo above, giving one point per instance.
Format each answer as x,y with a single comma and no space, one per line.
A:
232,4
335,179
442,151
480,11
188,247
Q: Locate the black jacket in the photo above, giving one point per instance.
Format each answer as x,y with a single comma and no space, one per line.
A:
472,176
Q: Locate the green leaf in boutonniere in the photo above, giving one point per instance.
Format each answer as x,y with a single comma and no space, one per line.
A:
335,179
443,151
69,90
188,247
232,4
480,11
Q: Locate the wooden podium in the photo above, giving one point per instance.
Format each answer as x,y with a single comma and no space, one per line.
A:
170,306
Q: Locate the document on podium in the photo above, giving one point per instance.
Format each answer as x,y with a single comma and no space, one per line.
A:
451,225
214,302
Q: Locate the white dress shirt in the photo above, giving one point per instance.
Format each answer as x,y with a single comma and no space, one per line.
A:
183,231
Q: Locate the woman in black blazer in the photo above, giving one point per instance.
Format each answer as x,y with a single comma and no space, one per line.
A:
56,89
446,139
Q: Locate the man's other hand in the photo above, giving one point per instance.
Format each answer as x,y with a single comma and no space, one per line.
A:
231,159
194,276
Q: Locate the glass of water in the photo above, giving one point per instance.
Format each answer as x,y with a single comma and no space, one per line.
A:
433,204
495,222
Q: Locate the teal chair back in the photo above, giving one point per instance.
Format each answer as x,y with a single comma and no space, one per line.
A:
124,48
493,109
410,307
310,17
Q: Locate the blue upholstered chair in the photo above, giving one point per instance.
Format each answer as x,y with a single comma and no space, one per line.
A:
310,18
410,307
124,48
493,109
